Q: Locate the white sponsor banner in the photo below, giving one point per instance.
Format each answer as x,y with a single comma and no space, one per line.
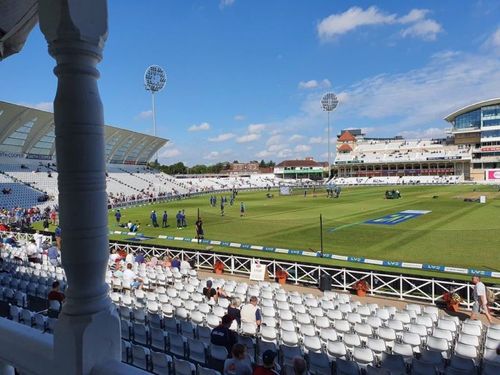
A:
257,270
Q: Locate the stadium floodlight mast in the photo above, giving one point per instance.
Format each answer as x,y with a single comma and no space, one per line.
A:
329,102
155,79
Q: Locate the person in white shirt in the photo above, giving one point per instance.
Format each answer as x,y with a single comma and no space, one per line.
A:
32,252
130,279
38,237
250,313
480,300
129,258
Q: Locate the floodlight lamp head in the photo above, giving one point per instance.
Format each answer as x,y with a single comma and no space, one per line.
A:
329,101
155,78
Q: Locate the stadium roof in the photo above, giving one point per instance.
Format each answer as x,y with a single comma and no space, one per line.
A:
29,132
345,148
347,136
472,107
299,163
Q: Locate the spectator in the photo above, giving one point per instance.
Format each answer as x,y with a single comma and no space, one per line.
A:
55,294
130,279
176,263
223,336
209,292
299,366
480,299
32,252
268,366
240,363
139,258
234,310
250,313
58,235
38,237
53,255
167,262
129,258
185,265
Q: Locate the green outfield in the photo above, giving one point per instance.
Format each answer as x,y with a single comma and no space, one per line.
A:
453,233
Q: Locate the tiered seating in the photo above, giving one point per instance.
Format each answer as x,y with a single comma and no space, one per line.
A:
395,180
20,195
168,325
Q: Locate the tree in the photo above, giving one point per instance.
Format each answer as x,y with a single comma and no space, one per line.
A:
262,164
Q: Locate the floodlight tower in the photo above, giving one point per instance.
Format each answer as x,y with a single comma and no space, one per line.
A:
155,79
329,102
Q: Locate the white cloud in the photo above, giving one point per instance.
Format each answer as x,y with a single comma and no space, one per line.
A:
144,115
222,137
248,138
170,153
225,3
425,95
302,148
313,84
256,128
425,29
318,140
296,137
419,26
338,24
216,155
493,42
42,106
201,127
414,15
274,140
212,155
239,117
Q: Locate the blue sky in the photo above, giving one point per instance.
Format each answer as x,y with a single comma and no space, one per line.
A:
245,77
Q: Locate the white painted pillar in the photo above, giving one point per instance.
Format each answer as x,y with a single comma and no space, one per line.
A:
88,330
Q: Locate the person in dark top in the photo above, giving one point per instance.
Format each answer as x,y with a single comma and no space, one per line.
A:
234,310
118,216
199,229
164,219
176,263
208,291
223,336
55,294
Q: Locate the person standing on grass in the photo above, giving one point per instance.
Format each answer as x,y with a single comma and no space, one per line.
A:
199,229
242,209
164,220
118,216
480,299
221,207
154,219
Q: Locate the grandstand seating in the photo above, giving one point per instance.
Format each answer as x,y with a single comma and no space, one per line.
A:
397,180
166,327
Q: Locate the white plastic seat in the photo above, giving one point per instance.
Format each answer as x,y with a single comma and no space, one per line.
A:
268,333
351,340
363,356
439,345
212,320
471,329
468,339
328,334
307,330
374,321
466,351
289,338
287,325
312,343
316,312
337,349
334,314
197,317
388,335
322,322
443,334
353,318
342,326
303,318
363,330
404,350
412,339
378,346
425,321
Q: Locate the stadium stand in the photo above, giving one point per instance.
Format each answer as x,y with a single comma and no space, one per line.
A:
166,325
